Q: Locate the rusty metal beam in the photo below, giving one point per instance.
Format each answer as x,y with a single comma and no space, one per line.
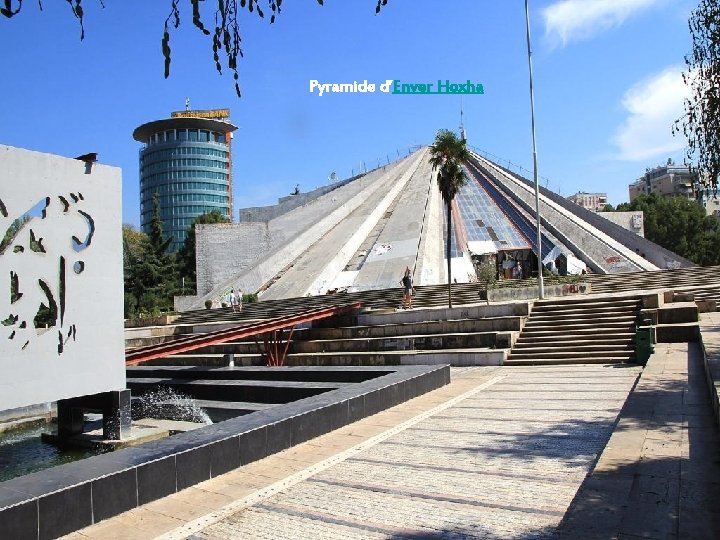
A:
191,343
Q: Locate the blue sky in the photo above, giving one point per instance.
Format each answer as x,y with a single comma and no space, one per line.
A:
607,86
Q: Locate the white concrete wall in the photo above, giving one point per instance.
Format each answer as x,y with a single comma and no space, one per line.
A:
81,238
269,247
431,264
396,242
287,203
628,220
344,253
228,250
225,250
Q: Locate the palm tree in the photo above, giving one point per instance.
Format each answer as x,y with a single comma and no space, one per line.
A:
447,154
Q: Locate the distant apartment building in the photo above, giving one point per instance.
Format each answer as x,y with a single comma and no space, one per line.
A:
672,181
666,180
595,202
187,161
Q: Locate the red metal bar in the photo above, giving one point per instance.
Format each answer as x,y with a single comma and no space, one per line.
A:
191,343
269,355
276,346
272,339
287,346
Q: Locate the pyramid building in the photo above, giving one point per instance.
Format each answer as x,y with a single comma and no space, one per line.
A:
361,234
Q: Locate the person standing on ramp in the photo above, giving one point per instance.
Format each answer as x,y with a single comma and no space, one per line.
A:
406,282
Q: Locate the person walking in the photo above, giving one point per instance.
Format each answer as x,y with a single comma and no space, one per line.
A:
406,282
235,300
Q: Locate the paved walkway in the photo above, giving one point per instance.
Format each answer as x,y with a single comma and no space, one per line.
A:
659,476
501,452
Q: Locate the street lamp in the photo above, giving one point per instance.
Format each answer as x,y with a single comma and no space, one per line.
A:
541,292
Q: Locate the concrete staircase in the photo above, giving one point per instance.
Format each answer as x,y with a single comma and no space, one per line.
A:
586,330
474,335
578,329
702,282
427,296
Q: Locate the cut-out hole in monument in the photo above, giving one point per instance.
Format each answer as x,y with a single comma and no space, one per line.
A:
15,293
28,235
39,209
36,243
79,245
11,233
47,314
72,334
61,289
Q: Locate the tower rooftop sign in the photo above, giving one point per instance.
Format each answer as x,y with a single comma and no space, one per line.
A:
220,114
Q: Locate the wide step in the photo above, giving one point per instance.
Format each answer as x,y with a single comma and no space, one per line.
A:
407,343
456,357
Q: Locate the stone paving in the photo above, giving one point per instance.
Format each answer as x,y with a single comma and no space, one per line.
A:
501,452
504,462
659,476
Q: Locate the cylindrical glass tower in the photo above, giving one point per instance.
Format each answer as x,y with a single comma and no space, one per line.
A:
187,161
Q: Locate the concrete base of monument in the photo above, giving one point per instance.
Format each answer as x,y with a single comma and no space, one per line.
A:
142,431
30,421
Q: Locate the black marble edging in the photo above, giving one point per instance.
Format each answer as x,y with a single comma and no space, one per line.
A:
58,501
711,363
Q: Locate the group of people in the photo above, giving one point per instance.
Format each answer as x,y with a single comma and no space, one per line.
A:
233,299
512,268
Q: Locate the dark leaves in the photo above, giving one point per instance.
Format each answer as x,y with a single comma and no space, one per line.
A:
197,22
75,7
226,37
166,52
8,10
701,122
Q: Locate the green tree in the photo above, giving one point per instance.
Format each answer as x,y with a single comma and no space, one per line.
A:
135,243
158,241
151,277
186,255
680,225
701,122
225,33
447,154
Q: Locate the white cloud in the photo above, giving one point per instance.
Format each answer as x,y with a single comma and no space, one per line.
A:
652,106
568,20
